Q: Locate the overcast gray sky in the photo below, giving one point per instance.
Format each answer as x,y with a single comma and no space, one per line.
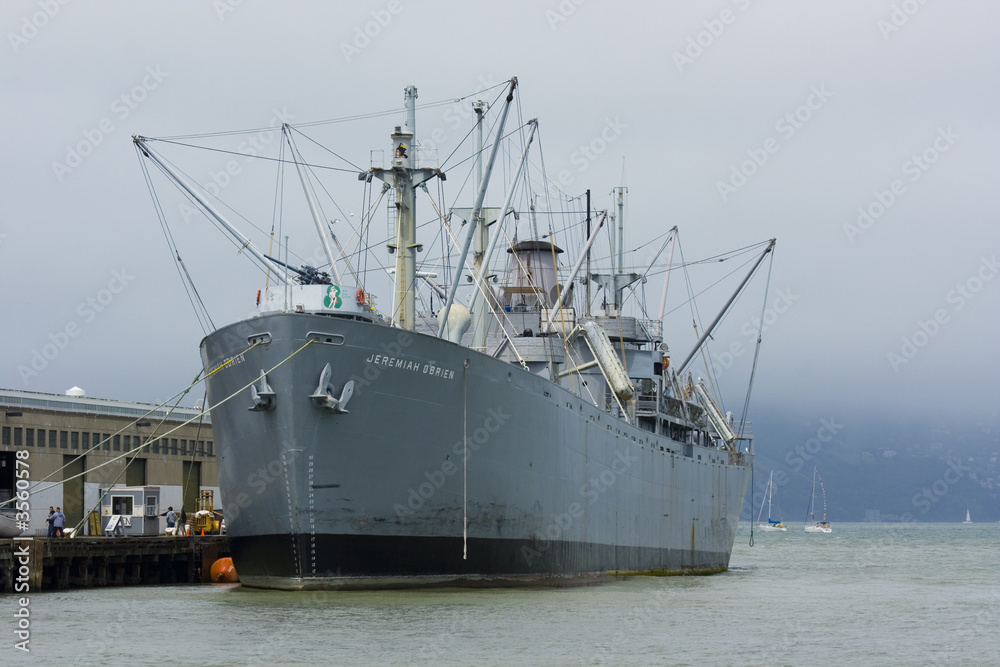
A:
862,134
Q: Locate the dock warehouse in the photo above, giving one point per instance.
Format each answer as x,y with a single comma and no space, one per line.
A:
70,436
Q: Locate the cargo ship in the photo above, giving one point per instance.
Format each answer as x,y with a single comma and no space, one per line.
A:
520,437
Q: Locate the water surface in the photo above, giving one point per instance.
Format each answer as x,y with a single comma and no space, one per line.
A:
867,594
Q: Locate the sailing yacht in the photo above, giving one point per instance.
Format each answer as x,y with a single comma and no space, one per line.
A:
819,526
968,517
772,525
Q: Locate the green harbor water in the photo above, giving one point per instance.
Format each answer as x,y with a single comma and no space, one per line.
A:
867,594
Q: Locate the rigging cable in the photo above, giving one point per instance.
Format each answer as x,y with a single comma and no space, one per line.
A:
342,119
756,352
200,415
714,376
240,246
199,315
334,201
695,296
279,189
325,148
197,296
469,133
251,157
135,455
187,480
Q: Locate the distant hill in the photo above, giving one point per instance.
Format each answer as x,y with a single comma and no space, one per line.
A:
872,469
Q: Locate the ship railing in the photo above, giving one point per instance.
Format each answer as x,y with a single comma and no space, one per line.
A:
426,158
564,320
646,405
422,158
747,433
653,329
670,407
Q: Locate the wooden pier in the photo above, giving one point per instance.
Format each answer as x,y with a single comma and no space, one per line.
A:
46,564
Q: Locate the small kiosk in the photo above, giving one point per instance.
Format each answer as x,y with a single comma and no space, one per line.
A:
130,510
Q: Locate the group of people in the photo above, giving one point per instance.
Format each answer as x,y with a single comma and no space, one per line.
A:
56,521
172,526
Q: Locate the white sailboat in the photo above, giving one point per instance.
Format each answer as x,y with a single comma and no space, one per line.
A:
819,526
771,525
968,517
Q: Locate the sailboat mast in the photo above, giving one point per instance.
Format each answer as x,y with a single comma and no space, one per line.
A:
761,511
812,501
770,492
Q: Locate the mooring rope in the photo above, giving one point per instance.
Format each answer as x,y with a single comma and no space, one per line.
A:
198,416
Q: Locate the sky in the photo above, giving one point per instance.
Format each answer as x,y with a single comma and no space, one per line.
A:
861,134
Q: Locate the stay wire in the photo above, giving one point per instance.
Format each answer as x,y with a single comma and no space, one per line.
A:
303,134
200,415
97,445
225,233
254,157
171,244
187,480
756,352
135,454
469,133
331,121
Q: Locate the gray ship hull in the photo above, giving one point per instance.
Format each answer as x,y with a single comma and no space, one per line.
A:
448,466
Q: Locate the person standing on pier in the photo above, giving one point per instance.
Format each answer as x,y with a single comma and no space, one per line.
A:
171,521
48,520
58,521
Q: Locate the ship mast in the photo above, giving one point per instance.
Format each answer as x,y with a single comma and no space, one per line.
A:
482,232
481,307
621,229
615,282
476,218
405,176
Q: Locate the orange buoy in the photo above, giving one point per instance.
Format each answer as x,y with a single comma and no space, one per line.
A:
223,571
361,297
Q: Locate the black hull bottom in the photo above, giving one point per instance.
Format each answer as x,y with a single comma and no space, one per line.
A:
341,562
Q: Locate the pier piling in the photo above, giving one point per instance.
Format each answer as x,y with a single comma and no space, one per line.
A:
86,562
